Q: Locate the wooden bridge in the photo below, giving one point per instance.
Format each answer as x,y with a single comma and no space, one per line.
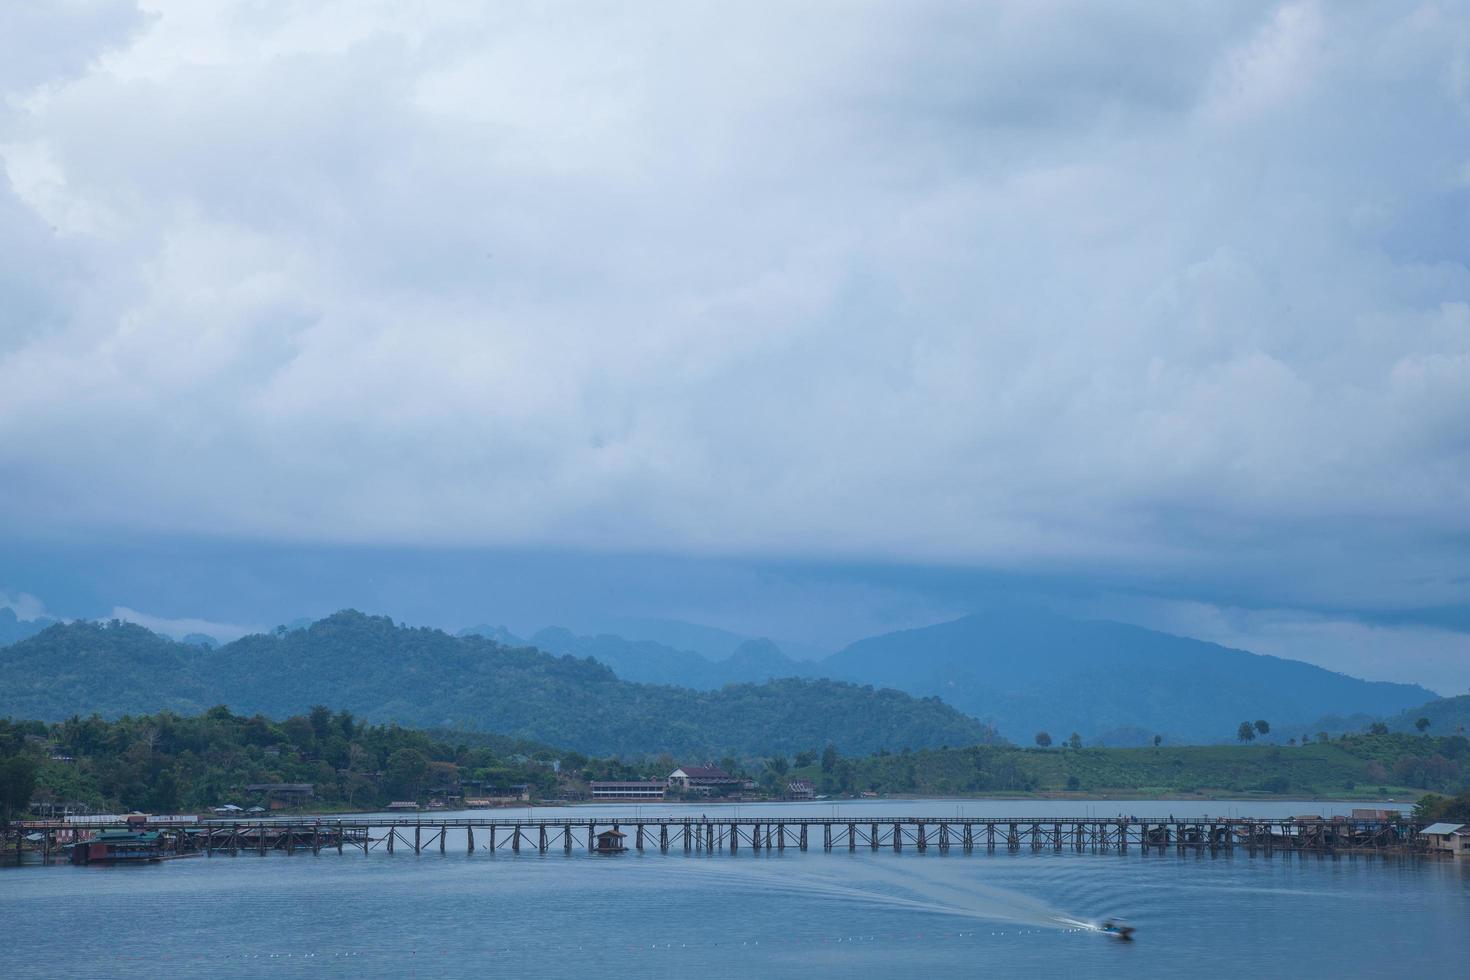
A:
724,834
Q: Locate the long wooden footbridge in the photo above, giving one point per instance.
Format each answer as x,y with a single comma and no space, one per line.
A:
757,834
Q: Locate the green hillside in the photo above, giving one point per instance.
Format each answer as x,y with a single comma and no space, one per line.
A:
1360,765
426,678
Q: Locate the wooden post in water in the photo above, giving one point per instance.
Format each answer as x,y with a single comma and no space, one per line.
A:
709,838
873,836
566,839
638,838
418,841
541,843
852,837
515,840
663,837
443,833
469,840
591,835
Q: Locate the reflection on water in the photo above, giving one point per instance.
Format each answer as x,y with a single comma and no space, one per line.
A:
788,914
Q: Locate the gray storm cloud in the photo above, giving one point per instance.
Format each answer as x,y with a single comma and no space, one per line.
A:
1010,283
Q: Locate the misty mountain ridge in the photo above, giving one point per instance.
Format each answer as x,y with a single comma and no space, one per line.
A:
1029,671
649,662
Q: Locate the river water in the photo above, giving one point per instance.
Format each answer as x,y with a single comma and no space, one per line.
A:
788,914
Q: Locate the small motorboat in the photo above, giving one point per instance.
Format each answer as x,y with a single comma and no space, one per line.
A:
1117,930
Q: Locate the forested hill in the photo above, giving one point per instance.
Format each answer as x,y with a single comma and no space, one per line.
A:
427,678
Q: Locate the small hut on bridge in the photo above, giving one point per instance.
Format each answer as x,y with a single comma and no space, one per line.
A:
610,842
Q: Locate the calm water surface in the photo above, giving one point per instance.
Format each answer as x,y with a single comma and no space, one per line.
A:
793,914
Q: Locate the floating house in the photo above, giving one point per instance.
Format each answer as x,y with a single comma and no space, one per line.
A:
1452,839
118,846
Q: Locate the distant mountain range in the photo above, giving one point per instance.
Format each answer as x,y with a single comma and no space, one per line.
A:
1030,671
427,678
1021,672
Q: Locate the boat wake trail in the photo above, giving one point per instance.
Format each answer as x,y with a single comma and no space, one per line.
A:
917,890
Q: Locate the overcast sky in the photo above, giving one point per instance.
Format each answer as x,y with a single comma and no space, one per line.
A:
1114,292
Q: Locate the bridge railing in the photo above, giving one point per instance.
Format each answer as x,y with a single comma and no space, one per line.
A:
746,820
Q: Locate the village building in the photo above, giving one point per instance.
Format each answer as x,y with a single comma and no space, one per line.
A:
281,796
629,791
1452,839
704,780
801,789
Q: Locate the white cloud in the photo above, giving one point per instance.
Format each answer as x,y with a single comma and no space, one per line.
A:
180,628
23,604
1017,284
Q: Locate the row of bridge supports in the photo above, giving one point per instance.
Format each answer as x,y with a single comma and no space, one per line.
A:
710,837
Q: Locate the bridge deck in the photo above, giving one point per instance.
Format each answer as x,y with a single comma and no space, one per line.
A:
731,833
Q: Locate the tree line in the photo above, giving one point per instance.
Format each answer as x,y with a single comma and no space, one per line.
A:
167,762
